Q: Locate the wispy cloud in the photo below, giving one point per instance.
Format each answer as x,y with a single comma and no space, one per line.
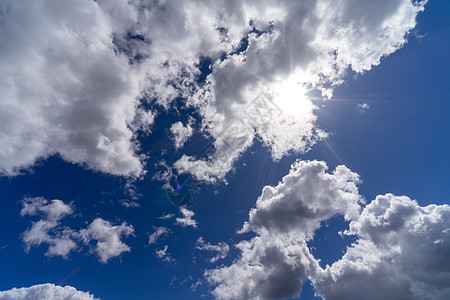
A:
164,255
221,248
159,232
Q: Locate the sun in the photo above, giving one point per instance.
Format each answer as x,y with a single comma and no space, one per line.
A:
290,96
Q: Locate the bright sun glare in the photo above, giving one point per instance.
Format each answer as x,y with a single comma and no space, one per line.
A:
290,96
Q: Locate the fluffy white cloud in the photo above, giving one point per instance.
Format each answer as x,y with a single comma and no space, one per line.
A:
46,291
64,90
276,262
292,47
221,248
48,229
186,220
159,232
72,74
63,239
108,238
401,253
181,133
401,249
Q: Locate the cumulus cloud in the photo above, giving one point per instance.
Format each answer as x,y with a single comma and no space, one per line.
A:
45,291
108,238
395,237
292,47
48,229
159,232
64,89
221,248
181,133
186,220
163,255
62,239
275,263
264,58
401,253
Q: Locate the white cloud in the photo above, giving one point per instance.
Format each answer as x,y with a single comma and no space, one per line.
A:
181,133
221,248
63,239
260,92
276,262
401,253
166,216
163,255
48,229
89,113
395,237
159,232
363,107
129,203
186,220
64,89
107,237
46,291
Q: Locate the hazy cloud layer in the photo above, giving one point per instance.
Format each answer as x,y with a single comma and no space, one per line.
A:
46,291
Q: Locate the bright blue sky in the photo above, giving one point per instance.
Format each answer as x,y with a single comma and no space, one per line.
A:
399,145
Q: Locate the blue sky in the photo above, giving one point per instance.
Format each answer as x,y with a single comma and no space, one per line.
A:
309,203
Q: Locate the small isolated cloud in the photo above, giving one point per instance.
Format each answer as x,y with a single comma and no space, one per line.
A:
363,107
163,255
186,220
221,248
159,232
48,229
166,216
180,133
46,291
129,203
63,239
107,237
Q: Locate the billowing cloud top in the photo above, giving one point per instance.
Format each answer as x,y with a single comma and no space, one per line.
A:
77,79
395,238
46,291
